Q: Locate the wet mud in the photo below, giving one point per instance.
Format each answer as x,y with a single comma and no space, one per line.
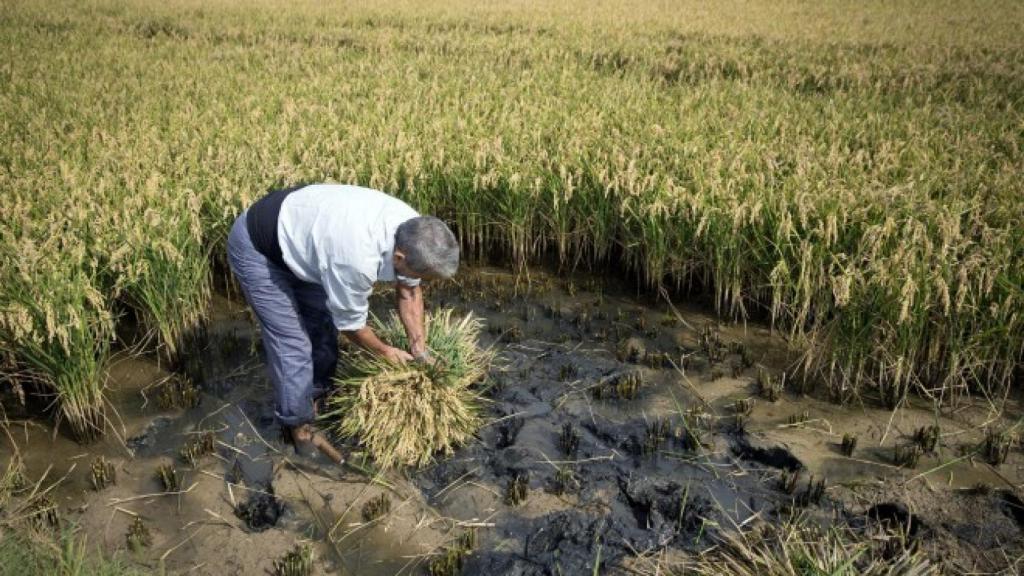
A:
623,435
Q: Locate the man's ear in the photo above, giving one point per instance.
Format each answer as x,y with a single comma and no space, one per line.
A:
398,257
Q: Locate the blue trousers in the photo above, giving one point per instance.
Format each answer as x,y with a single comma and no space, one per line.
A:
299,337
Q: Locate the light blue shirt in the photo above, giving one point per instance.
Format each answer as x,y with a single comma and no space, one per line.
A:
343,238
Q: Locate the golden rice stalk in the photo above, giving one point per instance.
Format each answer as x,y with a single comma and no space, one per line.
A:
796,548
404,415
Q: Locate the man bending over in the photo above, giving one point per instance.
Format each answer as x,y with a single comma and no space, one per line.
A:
307,259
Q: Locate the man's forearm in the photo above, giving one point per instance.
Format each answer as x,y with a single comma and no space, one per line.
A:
365,338
410,310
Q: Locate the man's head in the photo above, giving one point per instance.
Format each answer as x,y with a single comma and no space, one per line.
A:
425,248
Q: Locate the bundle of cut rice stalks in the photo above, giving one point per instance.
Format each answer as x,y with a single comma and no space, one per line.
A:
404,415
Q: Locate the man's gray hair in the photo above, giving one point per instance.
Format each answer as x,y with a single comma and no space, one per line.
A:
429,246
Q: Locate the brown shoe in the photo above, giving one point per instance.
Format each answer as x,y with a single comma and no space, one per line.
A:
310,443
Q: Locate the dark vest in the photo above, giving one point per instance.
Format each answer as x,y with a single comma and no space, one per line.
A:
261,222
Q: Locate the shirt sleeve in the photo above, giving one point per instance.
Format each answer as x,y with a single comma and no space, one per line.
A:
348,293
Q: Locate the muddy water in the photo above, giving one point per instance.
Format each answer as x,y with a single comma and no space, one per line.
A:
633,487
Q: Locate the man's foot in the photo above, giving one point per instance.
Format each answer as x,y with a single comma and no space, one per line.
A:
310,443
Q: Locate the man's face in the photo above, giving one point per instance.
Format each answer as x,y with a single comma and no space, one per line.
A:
402,269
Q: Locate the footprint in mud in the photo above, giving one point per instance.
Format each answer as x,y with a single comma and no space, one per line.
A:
510,461
443,474
666,509
1013,506
508,432
261,511
773,456
564,542
147,441
895,517
252,466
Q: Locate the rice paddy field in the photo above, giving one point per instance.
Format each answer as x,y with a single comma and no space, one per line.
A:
845,177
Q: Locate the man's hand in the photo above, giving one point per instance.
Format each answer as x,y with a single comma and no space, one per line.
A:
367,340
424,358
396,355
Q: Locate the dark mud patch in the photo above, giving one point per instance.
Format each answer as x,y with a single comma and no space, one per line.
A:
773,456
1013,506
507,433
510,461
666,509
566,542
261,511
252,463
145,443
608,475
895,517
445,474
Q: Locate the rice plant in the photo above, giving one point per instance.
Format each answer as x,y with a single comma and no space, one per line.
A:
52,544
297,562
165,275
688,436
13,480
907,455
451,559
176,393
69,553
927,437
798,418
448,563
770,387
565,481
619,386
738,422
658,359
567,372
655,434
59,327
742,406
138,535
796,548
788,480
405,415
517,489
710,343
995,448
813,493
43,514
168,477
848,445
631,350
376,507
102,473
569,439
197,447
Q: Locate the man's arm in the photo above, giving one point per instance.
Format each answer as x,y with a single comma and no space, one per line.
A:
410,310
365,338
348,292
